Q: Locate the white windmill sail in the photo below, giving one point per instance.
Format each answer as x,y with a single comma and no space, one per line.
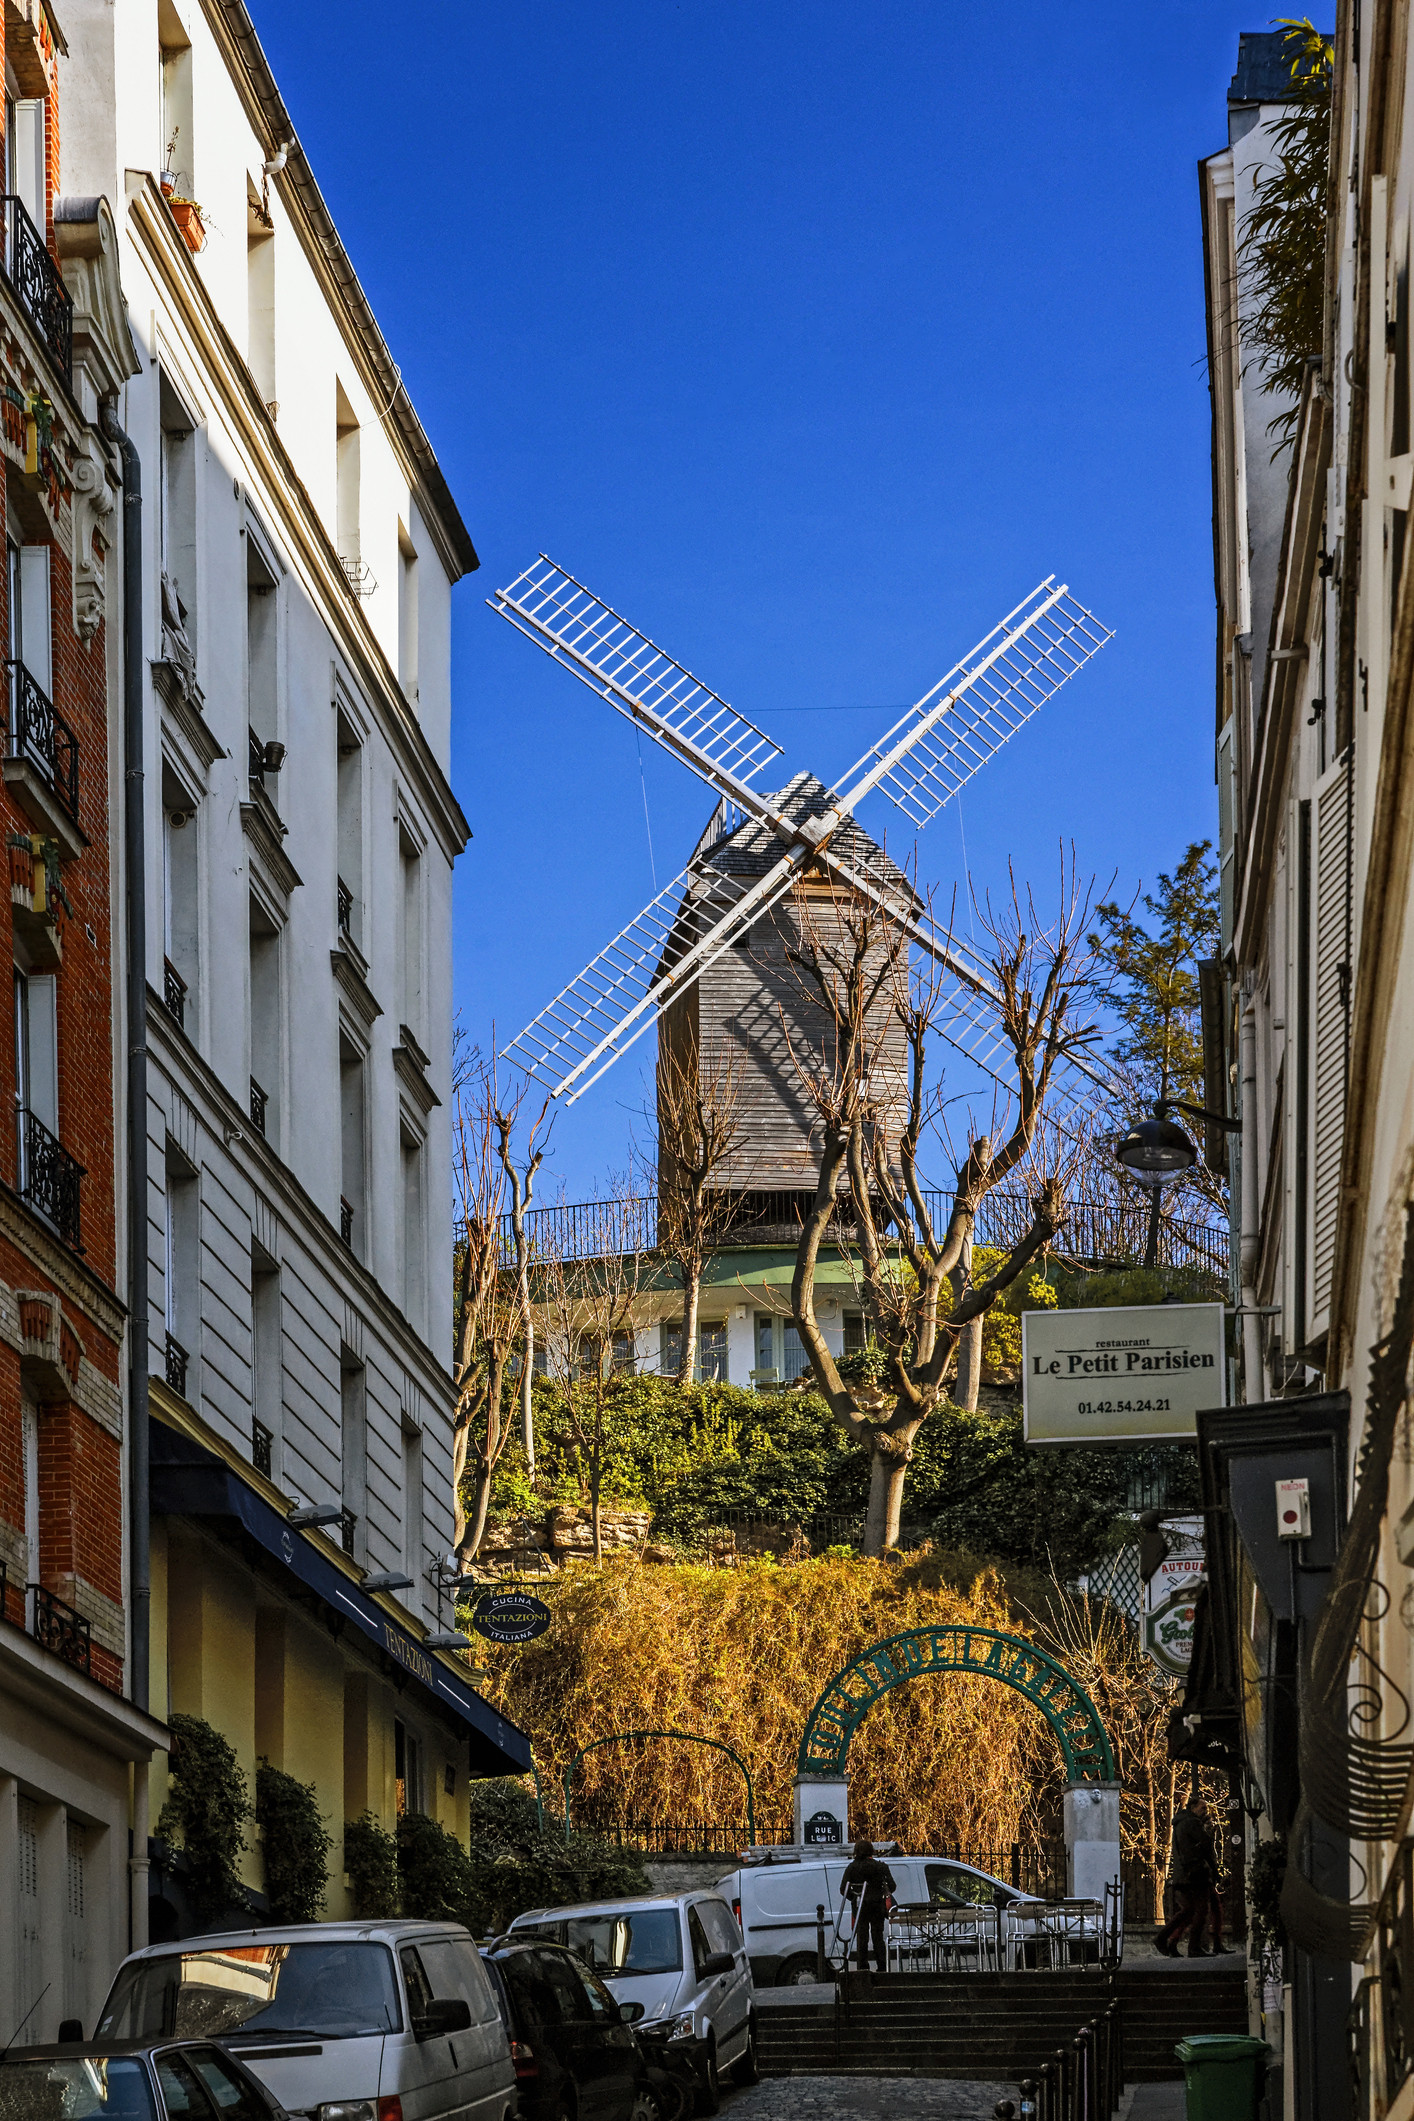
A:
930,753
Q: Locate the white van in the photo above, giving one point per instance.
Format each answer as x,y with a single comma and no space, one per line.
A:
344,2021
680,1958
774,1902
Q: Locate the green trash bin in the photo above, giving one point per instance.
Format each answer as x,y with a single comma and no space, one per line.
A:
1223,2075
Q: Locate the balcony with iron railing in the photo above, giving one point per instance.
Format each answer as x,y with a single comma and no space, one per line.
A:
262,1448
55,1625
174,992
345,906
39,735
49,1177
175,1359
39,285
346,1219
259,1105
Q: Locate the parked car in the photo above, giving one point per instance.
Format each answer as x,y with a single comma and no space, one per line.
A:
575,2054
163,2080
774,1902
681,1957
341,2021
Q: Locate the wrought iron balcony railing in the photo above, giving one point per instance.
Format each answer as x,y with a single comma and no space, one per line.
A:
39,284
346,1219
40,735
345,908
262,1448
50,1177
348,1519
255,760
174,992
259,1099
175,1359
59,1627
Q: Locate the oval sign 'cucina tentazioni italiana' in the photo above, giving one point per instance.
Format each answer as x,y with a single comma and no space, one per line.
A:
510,1617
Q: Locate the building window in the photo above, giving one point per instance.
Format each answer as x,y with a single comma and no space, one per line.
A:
262,664
31,614
410,965
176,503
412,1514
353,1443
350,831
180,921
265,1023
413,1233
176,145
710,1366
407,1769
347,478
768,1369
353,1216
267,1361
260,298
407,613
856,1339
181,1266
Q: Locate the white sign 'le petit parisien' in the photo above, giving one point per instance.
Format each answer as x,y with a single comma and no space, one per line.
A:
1134,1374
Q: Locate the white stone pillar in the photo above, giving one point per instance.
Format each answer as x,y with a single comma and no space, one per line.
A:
1091,1814
822,1810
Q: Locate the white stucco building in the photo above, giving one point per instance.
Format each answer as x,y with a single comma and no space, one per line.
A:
299,548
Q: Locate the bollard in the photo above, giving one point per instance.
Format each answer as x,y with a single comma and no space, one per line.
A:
1004,2110
820,1973
1030,2111
1083,2097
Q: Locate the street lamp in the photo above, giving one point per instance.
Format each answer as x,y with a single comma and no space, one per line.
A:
1157,1150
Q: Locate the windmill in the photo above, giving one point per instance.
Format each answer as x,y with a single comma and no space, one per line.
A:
928,755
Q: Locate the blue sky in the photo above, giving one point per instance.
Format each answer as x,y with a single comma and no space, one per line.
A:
811,337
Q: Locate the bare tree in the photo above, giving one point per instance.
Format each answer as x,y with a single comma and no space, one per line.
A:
700,1140
589,1302
873,1134
494,1317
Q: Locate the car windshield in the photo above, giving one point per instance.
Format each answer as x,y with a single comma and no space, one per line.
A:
334,1990
645,1940
73,2088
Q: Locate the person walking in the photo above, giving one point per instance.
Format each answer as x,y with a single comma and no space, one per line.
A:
1193,1872
868,1883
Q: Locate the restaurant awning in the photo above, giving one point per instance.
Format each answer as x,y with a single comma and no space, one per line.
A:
190,1481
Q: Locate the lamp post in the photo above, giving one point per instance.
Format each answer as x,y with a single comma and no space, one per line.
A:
1157,1150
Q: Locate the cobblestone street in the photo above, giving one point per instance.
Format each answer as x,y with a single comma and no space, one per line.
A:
865,2099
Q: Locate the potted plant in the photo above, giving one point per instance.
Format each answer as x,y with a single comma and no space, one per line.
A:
188,217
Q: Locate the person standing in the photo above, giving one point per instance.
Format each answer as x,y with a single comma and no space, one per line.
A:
868,1883
1193,1871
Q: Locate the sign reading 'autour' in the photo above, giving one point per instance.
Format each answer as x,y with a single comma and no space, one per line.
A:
1131,1374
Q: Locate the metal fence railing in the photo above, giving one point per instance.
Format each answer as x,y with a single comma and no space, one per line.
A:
1094,1233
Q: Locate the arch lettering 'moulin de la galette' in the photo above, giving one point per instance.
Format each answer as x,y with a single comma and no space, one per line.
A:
984,1653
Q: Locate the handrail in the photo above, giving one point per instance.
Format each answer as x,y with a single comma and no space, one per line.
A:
688,1738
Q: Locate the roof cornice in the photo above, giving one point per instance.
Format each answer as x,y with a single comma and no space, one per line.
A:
240,47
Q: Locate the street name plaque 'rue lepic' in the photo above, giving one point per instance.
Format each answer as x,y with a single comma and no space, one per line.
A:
1130,1375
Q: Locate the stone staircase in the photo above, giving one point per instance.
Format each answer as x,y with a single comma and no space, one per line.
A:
996,2026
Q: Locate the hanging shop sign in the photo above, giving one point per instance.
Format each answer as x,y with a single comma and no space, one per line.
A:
1133,1374
1168,1630
510,1617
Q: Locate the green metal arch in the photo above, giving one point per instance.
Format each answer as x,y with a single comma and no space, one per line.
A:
718,1745
985,1653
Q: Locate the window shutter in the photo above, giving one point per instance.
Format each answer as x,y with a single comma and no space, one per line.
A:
1330,998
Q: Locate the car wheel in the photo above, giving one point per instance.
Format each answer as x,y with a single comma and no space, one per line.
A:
797,1972
646,2106
746,2069
709,2090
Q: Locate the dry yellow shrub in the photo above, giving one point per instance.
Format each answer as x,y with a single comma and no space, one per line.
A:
742,1655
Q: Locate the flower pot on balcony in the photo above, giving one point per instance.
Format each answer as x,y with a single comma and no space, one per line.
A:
187,215
168,182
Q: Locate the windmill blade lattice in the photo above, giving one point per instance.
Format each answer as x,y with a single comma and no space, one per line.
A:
634,675
950,733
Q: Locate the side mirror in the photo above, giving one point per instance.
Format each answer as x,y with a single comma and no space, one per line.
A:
718,1963
444,2014
70,2029
630,2013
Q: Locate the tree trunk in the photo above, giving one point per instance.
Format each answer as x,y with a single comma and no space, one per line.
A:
527,1403
691,1297
460,1438
969,1346
475,1524
594,1519
888,1470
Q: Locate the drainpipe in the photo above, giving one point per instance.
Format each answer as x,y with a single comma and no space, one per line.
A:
135,894
1253,1383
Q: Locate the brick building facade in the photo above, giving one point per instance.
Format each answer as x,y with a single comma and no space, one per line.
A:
67,1735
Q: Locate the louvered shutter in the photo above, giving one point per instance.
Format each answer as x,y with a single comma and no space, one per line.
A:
1330,933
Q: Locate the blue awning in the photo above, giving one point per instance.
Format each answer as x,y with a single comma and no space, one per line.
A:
190,1481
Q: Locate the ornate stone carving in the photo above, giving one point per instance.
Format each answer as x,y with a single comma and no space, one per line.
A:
91,506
